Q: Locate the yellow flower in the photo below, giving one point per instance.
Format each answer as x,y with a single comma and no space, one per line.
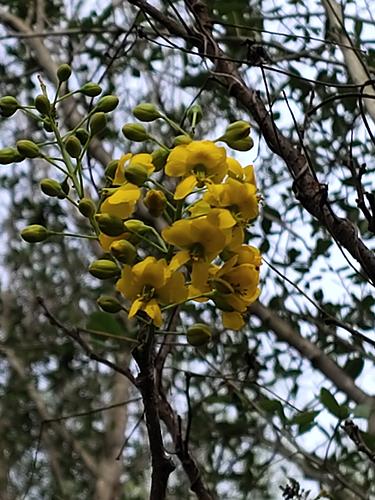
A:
240,198
199,163
129,160
106,241
236,171
149,284
122,202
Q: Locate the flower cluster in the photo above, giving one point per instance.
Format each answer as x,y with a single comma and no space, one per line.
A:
172,223
201,255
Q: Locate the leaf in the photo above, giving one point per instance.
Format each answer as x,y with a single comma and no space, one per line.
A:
104,322
353,367
304,418
329,402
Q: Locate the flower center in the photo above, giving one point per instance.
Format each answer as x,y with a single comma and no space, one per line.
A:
147,293
197,251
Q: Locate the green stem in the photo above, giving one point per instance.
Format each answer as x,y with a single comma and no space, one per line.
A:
75,235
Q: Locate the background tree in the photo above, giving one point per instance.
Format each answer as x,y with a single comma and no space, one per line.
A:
284,396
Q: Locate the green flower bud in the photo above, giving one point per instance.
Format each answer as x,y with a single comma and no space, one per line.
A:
35,233
124,251
73,146
182,139
199,334
42,104
159,158
47,125
63,72
135,132
146,112
8,105
82,135
87,207
65,186
194,114
110,224
109,304
221,303
10,155
241,144
136,174
104,269
110,170
135,226
97,123
236,131
28,148
91,89
107,103
50,187
155,202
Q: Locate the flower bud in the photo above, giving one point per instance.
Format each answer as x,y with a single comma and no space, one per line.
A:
107,103
8,105
82,135
87,207
73,146
221,303
194,114
91,89
109,304
42,104
159,158
65,186
182,139
135,132
136,174
97,123
236,131
35,233
124,251
10,155
110,225
146,112
47,125
244,144
110,170
198,334
28,148
50,187
63,72
104,269
135,226
155,202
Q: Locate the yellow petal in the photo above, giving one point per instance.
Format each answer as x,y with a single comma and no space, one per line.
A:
174,291
185,187
135,307
233,320
179,260
176,165
125,194
119,175
152,309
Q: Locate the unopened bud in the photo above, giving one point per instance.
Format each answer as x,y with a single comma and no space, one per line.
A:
155,202
198,334
97,123
135,226
91,89
73,146
47,125
82,135
236,131
124,251
87,207
8,105
107,104
109,304
63,72
135,132
146,112
104,269
242,144
51,187
35,233
159,158
110,170
182,139
110,224
136,174
42,104
10,155
28,148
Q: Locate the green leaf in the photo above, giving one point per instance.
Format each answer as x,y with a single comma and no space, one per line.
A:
353,367
104,322
329,402
304,418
